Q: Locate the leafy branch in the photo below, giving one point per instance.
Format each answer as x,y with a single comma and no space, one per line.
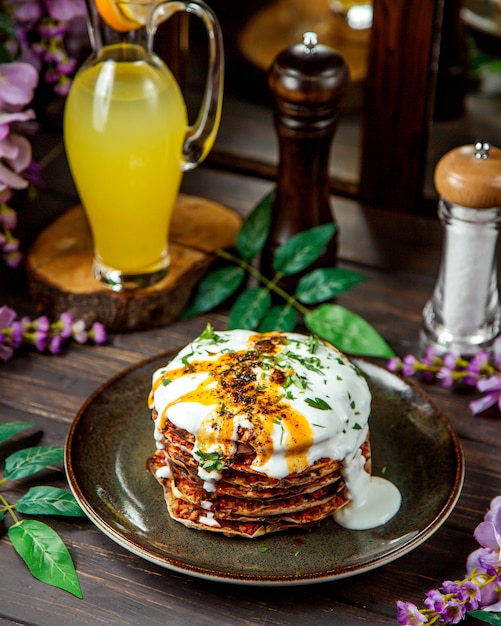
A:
38,544
254,308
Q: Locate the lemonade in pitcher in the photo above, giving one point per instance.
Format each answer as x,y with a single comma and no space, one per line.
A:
125,134
128,140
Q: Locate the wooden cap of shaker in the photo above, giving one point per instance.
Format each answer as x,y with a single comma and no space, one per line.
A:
470,176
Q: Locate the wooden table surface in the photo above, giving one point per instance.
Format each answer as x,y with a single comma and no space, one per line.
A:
400,254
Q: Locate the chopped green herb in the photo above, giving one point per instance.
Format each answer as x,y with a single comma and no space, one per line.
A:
187,356
166,381
320,425
209,335
263,549
313,342
318,403
357,426
210,461
278,421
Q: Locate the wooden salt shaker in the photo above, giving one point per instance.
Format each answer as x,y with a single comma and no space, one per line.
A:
307,81
464,314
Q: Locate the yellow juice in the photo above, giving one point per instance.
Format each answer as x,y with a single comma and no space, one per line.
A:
124,128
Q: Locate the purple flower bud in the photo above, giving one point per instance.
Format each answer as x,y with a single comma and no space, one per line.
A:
13,259
430,355
478,362
9,217
79,333
6,352
98,333
62,88
66,320
394,364
40,340
446,377
12,245
7,316
16,337
409,615
435,600
451,360
42,323
409,365
56,344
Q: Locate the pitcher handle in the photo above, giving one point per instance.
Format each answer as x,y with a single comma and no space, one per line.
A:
200,136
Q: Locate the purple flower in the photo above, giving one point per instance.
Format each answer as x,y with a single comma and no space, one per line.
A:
451,360
40,340
66,321
430,356
16,334
98,333
453,611
466,591
435,601
409,366
5,351
65,10
8,217
484,562
79,334
7,316
446,376
409,615
492,388
17,83
56,344
15,155
488,532
394,364
13,258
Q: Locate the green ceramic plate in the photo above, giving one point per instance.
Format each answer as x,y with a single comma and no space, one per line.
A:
112,436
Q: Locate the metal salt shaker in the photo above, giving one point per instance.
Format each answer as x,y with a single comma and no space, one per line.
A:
464,314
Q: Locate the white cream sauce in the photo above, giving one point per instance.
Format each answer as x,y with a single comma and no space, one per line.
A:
319,407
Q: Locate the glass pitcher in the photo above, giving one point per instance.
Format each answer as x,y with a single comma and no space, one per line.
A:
128,139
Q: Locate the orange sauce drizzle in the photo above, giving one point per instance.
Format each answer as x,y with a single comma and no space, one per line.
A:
239,393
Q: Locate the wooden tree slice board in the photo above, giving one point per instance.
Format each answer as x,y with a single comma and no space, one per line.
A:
60,275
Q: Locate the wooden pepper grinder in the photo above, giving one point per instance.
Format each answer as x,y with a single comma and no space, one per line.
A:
307,81
464,313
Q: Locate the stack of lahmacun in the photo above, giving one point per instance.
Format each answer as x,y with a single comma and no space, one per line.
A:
255,432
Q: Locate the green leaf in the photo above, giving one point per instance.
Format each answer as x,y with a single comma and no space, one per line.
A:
486,616
249,309
318,403
347,331
214,289
279,317
325,283
31,460
9,429
49,501
302,249
45,554
254,230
